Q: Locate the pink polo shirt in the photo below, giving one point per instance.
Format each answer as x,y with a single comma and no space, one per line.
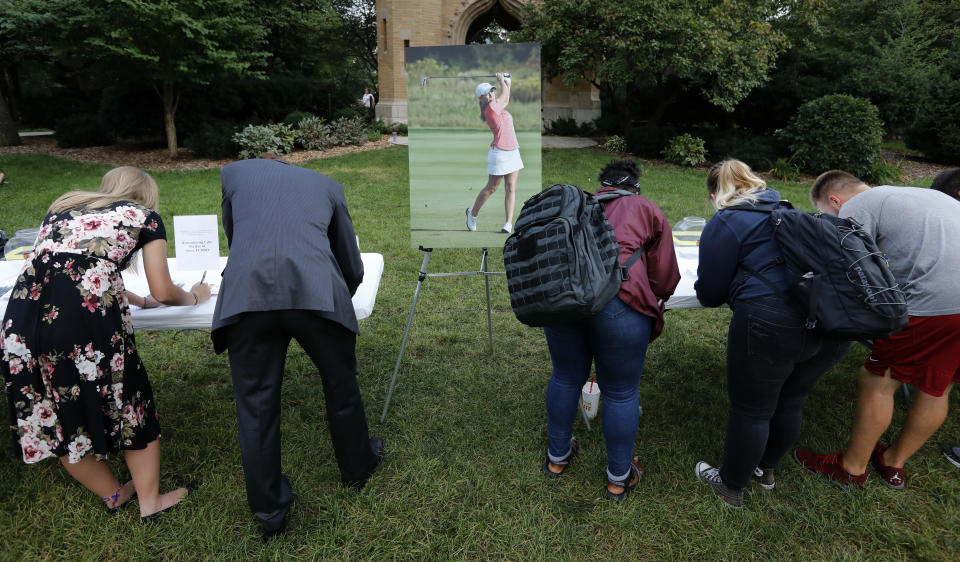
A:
501,124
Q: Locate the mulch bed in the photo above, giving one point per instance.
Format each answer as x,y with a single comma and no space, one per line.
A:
158,158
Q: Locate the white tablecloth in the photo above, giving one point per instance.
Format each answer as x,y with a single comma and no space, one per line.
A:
687,259
180,317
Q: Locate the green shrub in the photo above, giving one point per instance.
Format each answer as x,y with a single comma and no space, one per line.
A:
213,140
373,135
757,151
836,132
352,111
295,117
399,128
614,143
685,150
254,140
786,169
313,133
82,130
649,141
886,173
936,131
344,131
568,127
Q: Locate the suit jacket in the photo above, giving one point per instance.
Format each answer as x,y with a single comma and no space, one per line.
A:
292,245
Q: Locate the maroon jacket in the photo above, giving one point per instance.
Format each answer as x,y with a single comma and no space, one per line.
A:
637,221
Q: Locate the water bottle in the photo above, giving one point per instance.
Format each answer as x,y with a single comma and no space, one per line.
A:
687,231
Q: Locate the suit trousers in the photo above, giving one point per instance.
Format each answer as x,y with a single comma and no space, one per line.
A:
257,346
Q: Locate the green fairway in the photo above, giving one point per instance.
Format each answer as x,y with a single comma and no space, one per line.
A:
448,168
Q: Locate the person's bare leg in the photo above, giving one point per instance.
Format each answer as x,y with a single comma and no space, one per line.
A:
144,465
510,195
925,416
97,477
873,414
493,182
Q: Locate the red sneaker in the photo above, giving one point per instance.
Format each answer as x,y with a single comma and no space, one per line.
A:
830,466
892,476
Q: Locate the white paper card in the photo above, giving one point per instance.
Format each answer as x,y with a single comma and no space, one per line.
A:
197,242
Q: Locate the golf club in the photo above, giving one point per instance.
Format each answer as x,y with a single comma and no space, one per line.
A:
425,78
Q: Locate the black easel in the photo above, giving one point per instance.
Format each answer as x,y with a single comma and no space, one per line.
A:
422,276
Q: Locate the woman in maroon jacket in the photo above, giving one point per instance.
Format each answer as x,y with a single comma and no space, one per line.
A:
616,338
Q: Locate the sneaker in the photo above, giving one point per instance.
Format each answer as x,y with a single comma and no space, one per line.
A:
953,455
507,227
711,477
764,477
471,220
892,476
830,466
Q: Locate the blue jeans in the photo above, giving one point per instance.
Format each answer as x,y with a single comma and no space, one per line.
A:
616,338
773,362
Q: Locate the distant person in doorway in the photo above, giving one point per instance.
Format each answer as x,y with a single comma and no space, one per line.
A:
503,160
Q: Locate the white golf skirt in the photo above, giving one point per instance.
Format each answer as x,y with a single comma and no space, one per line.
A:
502,162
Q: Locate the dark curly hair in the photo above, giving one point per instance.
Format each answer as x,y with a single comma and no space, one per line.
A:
617,172
948,181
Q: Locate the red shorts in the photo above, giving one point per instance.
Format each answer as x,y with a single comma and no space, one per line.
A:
925,353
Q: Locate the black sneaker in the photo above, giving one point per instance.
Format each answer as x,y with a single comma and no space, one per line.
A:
711,477
953,455
764,477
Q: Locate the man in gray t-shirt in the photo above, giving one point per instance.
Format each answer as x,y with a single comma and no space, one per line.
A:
919,231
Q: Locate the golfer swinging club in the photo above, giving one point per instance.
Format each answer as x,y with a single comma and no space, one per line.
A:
503,160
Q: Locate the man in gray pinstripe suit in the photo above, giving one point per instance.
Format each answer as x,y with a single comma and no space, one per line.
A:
294,264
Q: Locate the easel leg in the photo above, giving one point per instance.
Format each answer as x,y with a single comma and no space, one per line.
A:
486,279
406,331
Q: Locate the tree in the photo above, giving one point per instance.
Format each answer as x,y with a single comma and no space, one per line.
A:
20,22
169,44
358,22
650,50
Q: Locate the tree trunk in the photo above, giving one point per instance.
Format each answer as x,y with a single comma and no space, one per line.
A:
9,127
170,101
9,124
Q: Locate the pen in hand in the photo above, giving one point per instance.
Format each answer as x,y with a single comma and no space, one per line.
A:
204,276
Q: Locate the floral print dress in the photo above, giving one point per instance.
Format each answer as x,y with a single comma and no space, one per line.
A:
74,381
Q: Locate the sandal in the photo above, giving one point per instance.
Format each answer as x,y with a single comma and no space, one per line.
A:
115,497
562,464
637,471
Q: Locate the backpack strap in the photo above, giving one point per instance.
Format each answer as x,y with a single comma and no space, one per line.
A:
625,266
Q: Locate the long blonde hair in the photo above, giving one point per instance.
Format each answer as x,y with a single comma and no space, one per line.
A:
732,182
125,183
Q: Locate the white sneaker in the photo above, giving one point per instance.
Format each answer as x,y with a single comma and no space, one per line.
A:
471,220
507,227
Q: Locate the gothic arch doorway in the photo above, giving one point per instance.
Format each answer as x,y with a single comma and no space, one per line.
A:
420,23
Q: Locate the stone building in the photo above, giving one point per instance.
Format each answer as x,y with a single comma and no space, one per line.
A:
422,23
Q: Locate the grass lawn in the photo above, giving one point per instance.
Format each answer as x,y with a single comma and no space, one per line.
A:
465,434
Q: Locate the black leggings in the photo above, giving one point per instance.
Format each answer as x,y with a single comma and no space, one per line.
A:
773,362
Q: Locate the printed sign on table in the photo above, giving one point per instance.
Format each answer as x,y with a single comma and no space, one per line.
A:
197,242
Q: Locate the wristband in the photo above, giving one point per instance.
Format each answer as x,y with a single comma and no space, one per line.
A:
196,299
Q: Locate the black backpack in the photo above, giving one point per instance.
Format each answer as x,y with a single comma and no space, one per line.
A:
836,274
562,259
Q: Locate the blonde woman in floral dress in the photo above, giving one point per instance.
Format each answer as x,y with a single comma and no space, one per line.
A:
75,384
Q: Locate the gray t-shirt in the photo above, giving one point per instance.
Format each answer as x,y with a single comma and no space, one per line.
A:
919,231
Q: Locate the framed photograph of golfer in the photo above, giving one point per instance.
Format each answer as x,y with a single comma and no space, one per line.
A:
474,130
